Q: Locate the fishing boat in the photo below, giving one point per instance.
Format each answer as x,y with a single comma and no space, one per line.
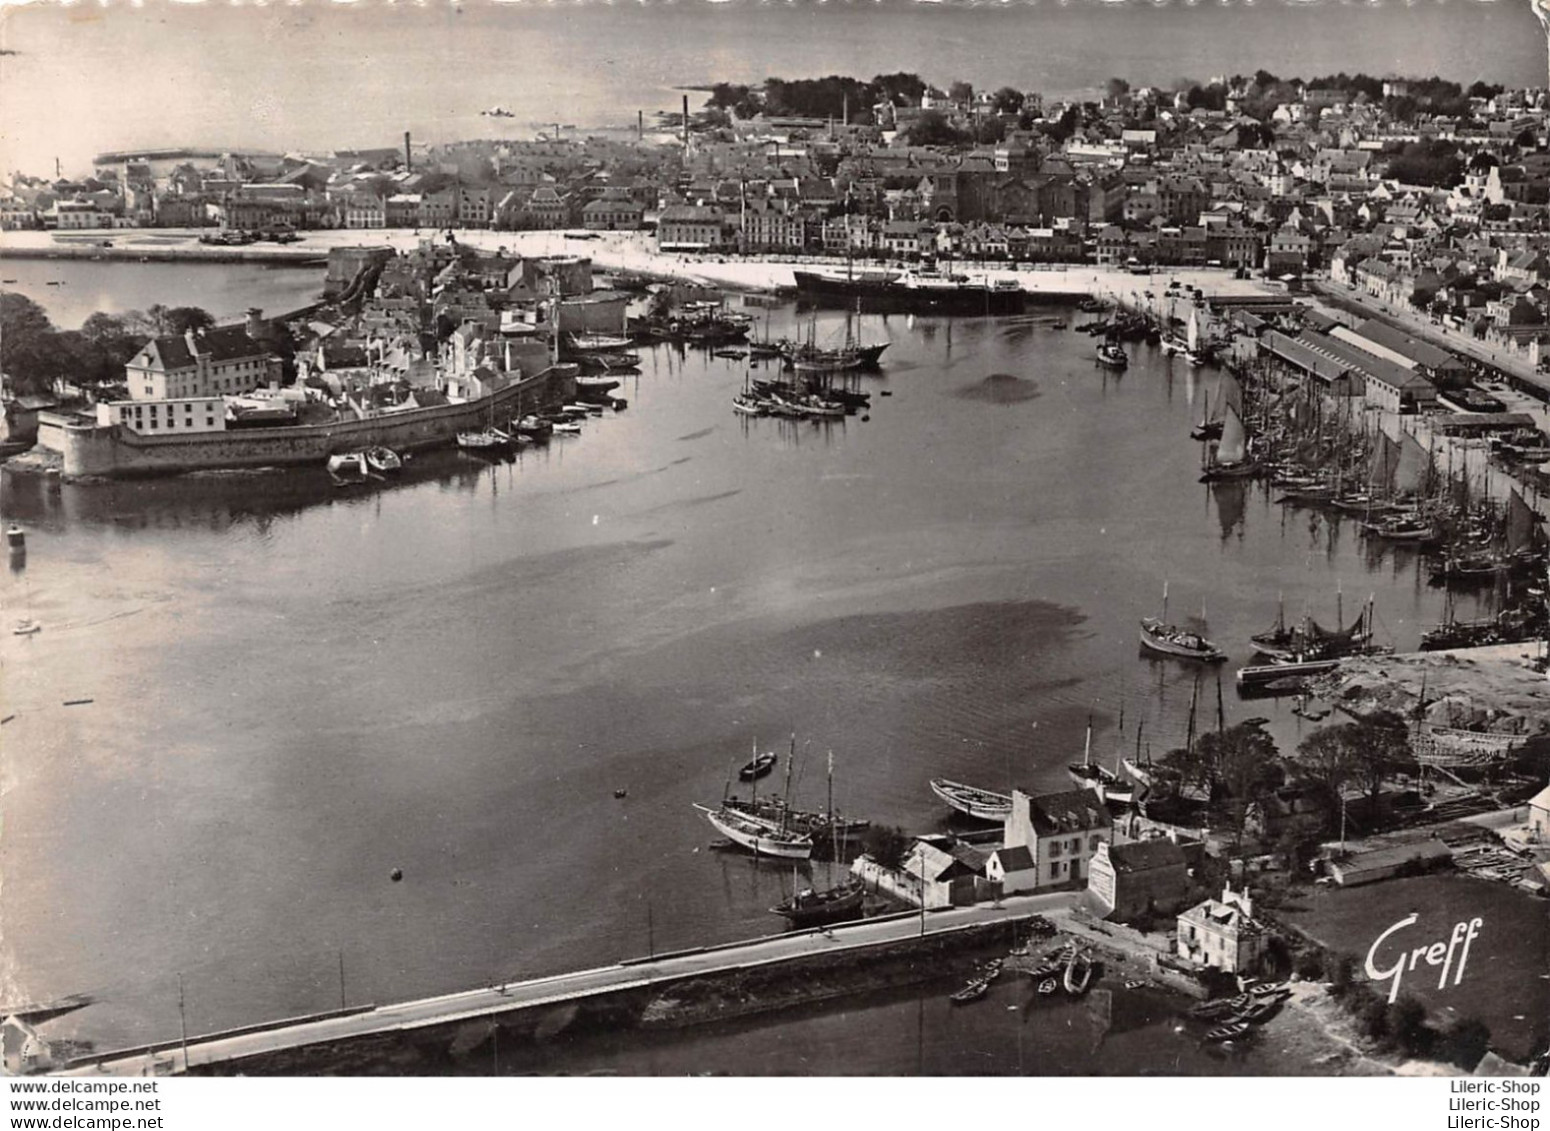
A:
534,427
1078,974
760,765
749,405
1113,355
1228,1032
1228,458
829,829
566,427
971,992
484,440
1170,640
383,461
1259,1010
1310,640
981,804
1211,1010
347,465
761,837
1087,774
596,386
809,908
1212,419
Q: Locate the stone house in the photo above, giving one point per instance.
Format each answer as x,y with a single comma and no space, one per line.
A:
1223,934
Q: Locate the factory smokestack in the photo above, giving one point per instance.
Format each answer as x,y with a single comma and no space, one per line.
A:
408,160
640,125
686,121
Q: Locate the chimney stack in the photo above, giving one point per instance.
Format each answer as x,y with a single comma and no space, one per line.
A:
408,158
686,121
640,125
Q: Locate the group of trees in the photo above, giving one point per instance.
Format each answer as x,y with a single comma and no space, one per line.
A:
1238,768
34,353
1401,1026
1429,162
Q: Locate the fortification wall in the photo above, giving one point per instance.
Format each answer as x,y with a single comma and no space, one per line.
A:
117,453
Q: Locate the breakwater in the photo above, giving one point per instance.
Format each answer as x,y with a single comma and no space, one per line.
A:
684,988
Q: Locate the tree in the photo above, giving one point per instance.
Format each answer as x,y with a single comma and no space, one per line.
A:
1406,1024
29,348
182,319
735,98
1365,754
1070,118
1486,90
1244,769
1007,100
887,845
989,131
903,88
1464,1042
1255,135
1380,745
1115,89
933,128
961,92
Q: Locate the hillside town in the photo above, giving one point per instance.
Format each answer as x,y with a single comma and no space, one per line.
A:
1418,193
1412,211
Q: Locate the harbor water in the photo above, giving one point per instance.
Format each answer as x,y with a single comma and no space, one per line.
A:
281,691
72,290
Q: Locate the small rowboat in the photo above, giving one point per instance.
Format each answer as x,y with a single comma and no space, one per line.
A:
1229,1031
972,992
1048,986
761,765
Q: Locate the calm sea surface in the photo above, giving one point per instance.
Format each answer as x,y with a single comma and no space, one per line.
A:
70,291
283,77
296,690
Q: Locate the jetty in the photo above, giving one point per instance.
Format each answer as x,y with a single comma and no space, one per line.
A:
220,1052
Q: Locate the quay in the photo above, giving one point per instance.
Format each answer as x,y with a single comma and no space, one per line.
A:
449,1014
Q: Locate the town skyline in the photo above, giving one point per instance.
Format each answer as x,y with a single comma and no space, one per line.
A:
289,86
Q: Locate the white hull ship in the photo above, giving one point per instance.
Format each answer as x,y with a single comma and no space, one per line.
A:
981,804
759,836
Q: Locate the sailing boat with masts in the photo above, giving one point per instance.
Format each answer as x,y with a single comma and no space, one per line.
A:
808,907
1229,458
1087,774
1157,635
761,835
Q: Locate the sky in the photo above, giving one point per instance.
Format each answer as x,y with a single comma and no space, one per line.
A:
81,79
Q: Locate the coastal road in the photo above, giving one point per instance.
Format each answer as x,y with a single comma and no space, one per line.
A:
1438,335
492,1000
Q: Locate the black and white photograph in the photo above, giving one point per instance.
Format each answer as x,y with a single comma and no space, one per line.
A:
866,538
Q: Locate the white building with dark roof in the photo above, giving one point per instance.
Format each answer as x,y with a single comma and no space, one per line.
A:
1061,831
220,361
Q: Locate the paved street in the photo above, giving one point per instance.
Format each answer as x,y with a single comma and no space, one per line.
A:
492,1000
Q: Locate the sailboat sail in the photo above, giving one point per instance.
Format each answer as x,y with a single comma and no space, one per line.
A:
1234,445
1520,524
1412,467
1192,340
1231,394
1385,463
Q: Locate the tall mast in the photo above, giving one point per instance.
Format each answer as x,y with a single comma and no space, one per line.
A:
1087,749
790,758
